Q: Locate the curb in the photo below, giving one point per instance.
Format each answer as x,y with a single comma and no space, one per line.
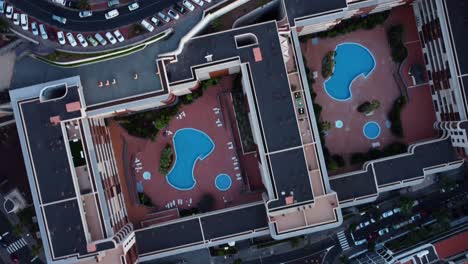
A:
112,55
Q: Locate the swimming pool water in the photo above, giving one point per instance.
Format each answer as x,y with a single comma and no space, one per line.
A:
351,61
190,145
223,182
371,130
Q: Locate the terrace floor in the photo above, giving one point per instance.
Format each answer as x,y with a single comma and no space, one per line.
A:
199,115
384,84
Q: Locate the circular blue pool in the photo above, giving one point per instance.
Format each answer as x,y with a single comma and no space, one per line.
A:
371,130
223,182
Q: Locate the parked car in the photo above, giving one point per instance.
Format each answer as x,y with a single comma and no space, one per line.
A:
208,1
112,14
387,214
188,5
119,36
2,6
198,2
396,210
360,242
14,258
34,29
111,38
9,12
415,217
43,31
133,6
383,231
112,3
59,19
92,41
61,38
179,8
82,40
60,2
71,39
164,17
173,14
147,25
85,13
16,20
155,21
100,39
364,224
24,21
415,203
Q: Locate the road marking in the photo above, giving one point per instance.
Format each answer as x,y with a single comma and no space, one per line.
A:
343,240
17,245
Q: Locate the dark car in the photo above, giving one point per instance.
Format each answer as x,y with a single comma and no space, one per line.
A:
179,8
14,258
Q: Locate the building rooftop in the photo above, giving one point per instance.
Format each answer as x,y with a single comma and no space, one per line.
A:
458,19
452,246
290,177
302,8
355,185
65,228
46,143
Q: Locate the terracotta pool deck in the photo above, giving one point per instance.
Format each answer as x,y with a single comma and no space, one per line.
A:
199,115
384,85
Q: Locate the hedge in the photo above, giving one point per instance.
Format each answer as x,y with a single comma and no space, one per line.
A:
328,64
165,160
367,107
395,116
395,41
242,115
375,153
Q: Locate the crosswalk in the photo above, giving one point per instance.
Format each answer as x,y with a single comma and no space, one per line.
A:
343,241
17,245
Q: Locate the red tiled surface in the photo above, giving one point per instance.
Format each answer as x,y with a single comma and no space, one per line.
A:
418,116
199,115
452,246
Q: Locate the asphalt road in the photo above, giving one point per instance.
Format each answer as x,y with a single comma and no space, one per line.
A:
43,11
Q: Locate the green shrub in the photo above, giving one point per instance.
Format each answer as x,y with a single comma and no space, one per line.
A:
395,116
145,199
339,160
328,64
367,107
394,148
395,41
242,115
165,160
206,203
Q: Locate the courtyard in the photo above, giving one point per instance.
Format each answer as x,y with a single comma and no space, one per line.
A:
352,137
206,169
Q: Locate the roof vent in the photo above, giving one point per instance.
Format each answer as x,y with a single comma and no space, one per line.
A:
209,58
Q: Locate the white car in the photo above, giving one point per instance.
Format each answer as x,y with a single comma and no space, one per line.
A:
387,214
155,21
9,11
34,29
71,39
100,39
119,36
188,5
360,242
164,17
364,224
84,14
24,22
82,40
60,2
61,38
111,38
42,30
111,14
383,231
198,2
59,19
147,25
133,6
16,20
208,1
173,14
396,210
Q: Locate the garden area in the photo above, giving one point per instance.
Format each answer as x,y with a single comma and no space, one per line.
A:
242,115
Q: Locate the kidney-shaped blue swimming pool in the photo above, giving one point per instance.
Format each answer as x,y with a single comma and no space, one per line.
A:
351,61
190,145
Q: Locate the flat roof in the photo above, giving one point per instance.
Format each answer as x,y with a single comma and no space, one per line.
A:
168,236
411,166
354,186
301,8
234,222
46,144
290,176
452,246
458,19
65,228
269,77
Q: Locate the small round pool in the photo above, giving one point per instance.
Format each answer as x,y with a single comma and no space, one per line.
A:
223,182
371,130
